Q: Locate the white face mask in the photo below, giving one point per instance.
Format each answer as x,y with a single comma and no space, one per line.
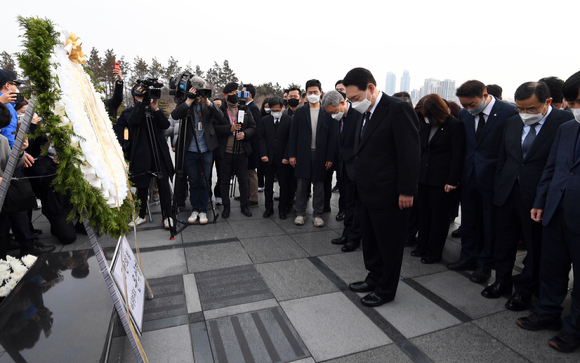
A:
362,106
338,116
576,112
313,98
267,110
477,110
276,115
531,118
427,120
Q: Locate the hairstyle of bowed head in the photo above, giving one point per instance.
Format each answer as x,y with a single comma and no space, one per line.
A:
454,108
359,77
402,94
419,107
528,89
555,85
273,101
435,108
5,116
332,98
571,87
471,88
495,90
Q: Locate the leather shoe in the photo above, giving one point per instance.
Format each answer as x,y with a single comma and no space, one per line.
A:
37,249
339,241
350,247
246,211
480,275
496,290
462,265
361,286
226,211
340,216
430,260
456,233
373,300
327,210
283,215
252,204
268,212
535,322
518,302
417,252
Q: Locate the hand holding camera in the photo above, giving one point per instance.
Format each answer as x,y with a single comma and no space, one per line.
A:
236,127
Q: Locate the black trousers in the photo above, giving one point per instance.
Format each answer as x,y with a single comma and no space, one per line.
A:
164,197
217,191
433,207
240,169
383,241
261,175
19,223
341,191
513,221
352,230
62,229
181,188
413,225
284,173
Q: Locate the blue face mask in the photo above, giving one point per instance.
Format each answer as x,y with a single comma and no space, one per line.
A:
477,110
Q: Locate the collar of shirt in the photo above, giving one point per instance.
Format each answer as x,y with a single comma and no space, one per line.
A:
247,103
372,111
487,109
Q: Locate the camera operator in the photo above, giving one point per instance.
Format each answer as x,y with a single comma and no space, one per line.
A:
197,163
142,158
235,146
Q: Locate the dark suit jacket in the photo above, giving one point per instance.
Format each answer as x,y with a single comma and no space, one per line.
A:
510,163
442,157
254,159
481,158
301,138
112,104
274,144
223,129
346,141
387,158
560,183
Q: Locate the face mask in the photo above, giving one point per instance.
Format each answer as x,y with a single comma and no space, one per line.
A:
362,106
477,110
531,118
267,110
427,120
293,102
276,114
576,112
233,99
313,98
338,116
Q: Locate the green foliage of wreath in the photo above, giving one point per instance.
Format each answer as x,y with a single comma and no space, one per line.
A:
39,39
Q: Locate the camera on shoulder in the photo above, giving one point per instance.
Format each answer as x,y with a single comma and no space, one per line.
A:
151,88
179,87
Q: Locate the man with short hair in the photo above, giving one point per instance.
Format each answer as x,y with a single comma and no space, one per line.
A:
254,157
495,90
555,85
293,101
311,152
340,87
557,206
9,88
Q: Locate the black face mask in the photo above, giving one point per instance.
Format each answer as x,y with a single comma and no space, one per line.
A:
233,99
342,94
292,102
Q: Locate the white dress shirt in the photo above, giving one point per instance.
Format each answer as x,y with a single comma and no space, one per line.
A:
526,129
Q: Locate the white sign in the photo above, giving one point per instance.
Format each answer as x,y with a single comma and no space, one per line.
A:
126,269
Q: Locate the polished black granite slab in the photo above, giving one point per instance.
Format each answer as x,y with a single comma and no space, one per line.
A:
59,312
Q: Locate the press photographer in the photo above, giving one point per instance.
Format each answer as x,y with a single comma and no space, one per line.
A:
141,128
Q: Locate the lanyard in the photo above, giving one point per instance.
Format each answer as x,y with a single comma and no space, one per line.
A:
232,120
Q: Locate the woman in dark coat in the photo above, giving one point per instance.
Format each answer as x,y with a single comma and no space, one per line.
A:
442,147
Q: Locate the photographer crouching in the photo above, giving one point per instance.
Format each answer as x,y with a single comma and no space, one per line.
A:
148,150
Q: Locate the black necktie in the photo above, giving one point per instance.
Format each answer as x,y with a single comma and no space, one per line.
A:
365,122
529,140
276,122
480,126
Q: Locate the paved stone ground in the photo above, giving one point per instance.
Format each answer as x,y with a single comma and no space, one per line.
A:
264,290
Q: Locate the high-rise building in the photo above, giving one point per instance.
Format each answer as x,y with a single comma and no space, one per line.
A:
445,89
391,83
405,82
448,89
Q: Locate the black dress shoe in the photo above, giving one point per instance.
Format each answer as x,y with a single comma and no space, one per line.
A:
480,275
373,300
535,322
565,342
518,302
496,290
430,260
340,216
350,246
37,231
226,211
410,242
252,204
268,212
283,215
417,252
361,286
335,189
456,233
326,210
462,265
339,241
246,211
36,250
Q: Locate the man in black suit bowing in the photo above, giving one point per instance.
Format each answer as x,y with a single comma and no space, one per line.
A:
387,156
484,117
274,132
523,154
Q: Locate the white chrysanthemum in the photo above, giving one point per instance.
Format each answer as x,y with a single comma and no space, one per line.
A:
10,259
29,260
4,275
4,267
10,284
4,291
18,275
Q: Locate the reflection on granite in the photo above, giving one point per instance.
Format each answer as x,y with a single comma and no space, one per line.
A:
59,312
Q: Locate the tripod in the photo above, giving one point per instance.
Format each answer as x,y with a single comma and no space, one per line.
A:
236,150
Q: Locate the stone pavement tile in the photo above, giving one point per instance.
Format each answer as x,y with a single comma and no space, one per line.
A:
413,314
289,227
208,232
387,354
452,251
305,360
294,279
275,248
165,345
231,286
413,267
236,212
261,336
349,267
461,293
168,301
330,220
191,294
163,263
239,309
152,238
532,345
332,326
211,257
253,228
200,342
317,243
465,343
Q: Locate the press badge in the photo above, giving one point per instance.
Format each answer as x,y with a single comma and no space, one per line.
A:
126,134
199,126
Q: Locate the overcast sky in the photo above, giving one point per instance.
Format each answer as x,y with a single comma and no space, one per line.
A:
503,42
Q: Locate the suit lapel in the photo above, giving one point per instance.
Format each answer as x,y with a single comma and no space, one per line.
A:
494,114
440,129
574,141
547,129
380,112
308,118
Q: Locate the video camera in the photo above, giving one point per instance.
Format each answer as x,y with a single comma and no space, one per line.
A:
151,86
180,86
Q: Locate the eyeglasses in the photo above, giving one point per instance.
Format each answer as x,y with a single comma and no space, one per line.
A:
530,110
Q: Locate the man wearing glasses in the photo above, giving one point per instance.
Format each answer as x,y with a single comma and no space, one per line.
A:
8,92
